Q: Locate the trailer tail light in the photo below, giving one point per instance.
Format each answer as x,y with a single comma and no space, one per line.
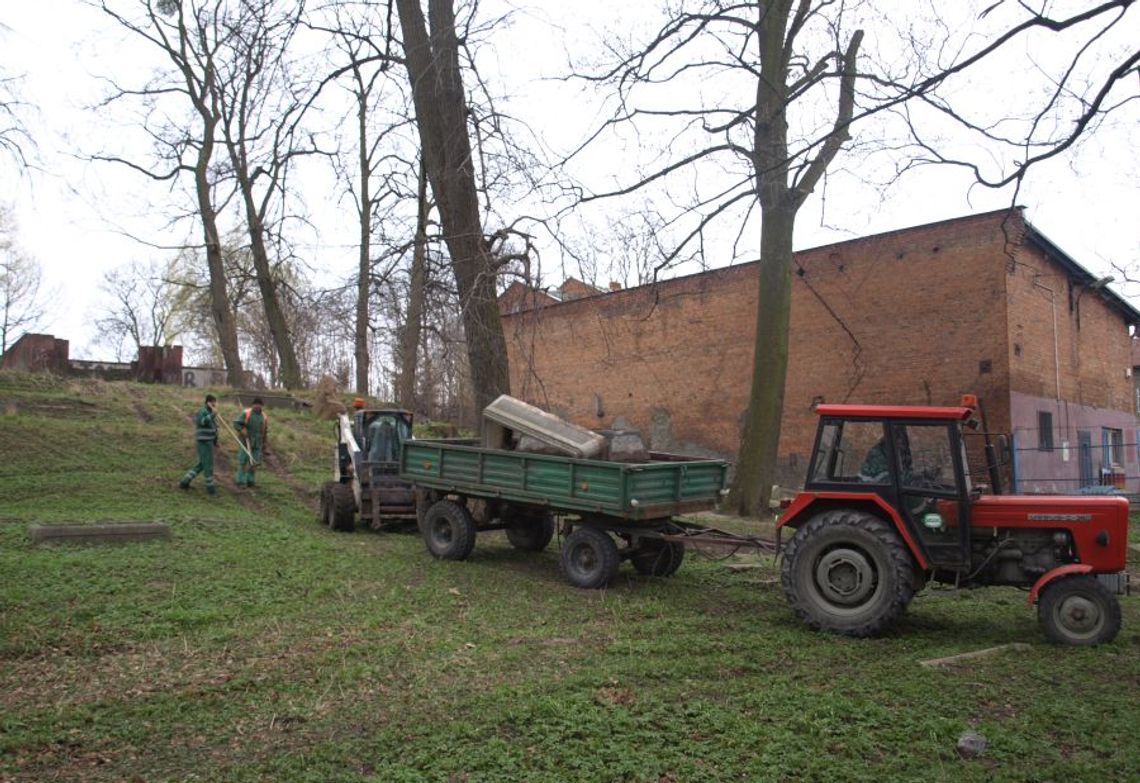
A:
969,401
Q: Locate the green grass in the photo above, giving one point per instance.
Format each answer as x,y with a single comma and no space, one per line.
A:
256,645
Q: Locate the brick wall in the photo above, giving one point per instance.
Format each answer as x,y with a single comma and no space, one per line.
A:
37,353
915,316
1086,361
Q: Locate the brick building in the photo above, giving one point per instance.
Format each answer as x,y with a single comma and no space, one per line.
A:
983,304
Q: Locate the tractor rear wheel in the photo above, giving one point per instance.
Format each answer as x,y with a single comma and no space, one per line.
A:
590,558
1078,610
340,513
530,533
847,572
449,530
656,557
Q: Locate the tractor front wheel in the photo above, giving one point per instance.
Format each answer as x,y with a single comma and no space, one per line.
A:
590,558
449,530
847,572
1078,610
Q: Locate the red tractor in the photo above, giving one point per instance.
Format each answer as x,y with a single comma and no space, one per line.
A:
888,505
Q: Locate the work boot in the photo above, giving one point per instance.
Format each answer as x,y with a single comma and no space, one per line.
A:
211,490
184,484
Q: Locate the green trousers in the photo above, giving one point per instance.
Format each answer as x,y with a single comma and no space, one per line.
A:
205,466
247,468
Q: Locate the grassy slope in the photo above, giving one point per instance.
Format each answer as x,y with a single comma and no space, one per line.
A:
257,645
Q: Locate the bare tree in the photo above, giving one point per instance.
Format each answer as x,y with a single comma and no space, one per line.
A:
260,108
1081,69
742,88
433,67
141,309
21,307
417,293
187,33
374,180
15,140
764,48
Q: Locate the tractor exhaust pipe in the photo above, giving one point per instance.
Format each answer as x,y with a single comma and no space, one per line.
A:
991,452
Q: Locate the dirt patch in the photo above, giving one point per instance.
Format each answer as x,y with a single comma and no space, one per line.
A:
55,408
140,411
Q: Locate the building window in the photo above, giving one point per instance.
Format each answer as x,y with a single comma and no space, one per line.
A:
1113,442
1044,431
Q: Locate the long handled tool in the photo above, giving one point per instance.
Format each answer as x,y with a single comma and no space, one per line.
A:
241,443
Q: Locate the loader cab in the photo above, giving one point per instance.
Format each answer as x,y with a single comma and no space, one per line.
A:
381,433
910,463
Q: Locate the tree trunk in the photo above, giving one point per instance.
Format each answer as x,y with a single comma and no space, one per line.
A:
274,313
224,321
364,269
780,196
441,117
756,462
417,291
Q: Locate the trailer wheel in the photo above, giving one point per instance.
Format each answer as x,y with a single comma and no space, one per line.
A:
847,572
656,557
531,533
590,558
1078,610
340,514
449,530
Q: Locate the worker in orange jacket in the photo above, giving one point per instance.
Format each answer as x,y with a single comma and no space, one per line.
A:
252,426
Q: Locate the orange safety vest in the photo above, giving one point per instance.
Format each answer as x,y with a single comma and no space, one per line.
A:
264,420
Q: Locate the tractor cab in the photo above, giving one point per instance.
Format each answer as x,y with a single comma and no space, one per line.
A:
381,433
908,462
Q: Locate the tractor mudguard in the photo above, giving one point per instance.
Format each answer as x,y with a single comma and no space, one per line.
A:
803,507
1056,573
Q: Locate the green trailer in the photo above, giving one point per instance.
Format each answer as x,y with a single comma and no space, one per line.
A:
462,489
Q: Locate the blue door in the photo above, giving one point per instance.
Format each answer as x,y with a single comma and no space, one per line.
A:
1084,457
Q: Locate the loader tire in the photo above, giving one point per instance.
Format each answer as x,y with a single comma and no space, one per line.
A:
449,530
1078,610
847,572
341,511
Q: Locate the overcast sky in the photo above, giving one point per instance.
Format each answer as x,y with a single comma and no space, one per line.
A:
73,215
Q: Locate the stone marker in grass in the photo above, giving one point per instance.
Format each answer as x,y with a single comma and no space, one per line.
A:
101,533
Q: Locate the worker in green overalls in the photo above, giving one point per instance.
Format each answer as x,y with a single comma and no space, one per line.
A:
206,438
253,428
